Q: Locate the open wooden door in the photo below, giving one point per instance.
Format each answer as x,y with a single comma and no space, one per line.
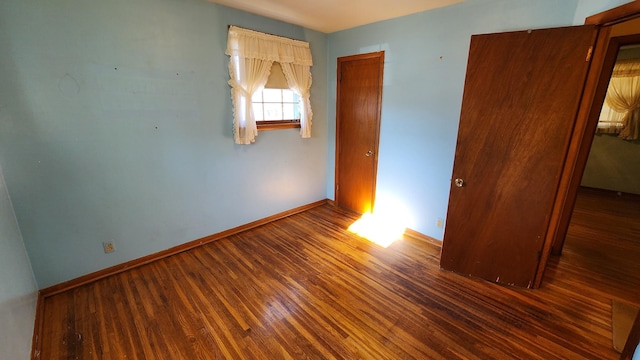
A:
359,101
521,97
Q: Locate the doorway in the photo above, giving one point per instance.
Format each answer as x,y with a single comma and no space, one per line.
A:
616,36
359,100
605,218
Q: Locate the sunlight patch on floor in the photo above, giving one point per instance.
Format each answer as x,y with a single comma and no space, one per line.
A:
382,228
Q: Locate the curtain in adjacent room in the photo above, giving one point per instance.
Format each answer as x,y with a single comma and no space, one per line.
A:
252,54
623,97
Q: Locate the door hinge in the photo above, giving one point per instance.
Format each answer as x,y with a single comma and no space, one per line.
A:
589,53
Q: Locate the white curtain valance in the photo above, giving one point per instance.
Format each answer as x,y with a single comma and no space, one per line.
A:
251,44
251,57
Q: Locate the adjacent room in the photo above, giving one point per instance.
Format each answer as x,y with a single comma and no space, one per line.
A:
145,214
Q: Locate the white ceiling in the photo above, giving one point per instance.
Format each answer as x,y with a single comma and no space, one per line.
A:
333,15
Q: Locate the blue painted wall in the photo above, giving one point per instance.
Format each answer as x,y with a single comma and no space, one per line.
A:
115,121
587,8
18,292
613,164
425,63
115,124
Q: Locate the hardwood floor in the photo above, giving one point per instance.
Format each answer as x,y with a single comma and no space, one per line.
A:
601,257
305,288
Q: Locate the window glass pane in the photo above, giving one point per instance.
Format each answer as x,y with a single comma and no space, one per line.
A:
275,105
257,111
287,95
296,111
272,95
273,111
288,112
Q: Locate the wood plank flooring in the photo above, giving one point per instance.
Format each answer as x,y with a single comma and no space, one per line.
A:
602,255
305,288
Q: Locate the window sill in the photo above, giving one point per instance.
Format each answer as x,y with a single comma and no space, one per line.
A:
277,125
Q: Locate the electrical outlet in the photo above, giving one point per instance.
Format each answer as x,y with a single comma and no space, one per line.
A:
440,223
108,247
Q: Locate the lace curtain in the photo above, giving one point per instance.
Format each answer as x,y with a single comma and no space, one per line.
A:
623,98
252,54
300,82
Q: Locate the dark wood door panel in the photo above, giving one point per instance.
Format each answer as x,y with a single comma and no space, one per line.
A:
520,101
358,123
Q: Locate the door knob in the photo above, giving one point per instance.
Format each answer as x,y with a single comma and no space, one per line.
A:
369,153
459,182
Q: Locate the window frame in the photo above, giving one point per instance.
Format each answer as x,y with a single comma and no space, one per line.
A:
276,124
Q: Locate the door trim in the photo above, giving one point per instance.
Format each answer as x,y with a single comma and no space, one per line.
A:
594,92
616,15
340,60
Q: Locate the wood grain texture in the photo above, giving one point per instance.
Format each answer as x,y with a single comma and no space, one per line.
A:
521,97
632,341
593,94
358,109
38,326
612,26
623,31
604,238
603,248
304,288
422,237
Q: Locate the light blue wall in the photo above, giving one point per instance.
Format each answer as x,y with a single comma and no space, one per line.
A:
587,8
115,120
613,164
18,291
425,62
115,124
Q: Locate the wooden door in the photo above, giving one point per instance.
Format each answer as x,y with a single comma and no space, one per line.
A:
520,102
359,97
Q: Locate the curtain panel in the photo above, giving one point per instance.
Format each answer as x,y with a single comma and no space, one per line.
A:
623,97
251,56
299,79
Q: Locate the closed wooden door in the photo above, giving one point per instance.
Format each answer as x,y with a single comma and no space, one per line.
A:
359,97
520,102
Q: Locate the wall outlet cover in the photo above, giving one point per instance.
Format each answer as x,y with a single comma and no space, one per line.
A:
108,247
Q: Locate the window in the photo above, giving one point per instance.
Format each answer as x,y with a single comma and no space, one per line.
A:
276,109
276,106
254,58
610,121
621,109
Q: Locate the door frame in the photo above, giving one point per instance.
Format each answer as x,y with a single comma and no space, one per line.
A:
340,60
594,92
